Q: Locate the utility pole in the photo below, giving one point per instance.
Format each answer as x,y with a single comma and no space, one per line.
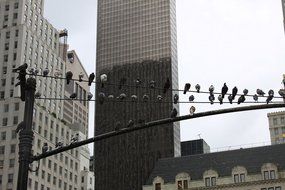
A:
26,135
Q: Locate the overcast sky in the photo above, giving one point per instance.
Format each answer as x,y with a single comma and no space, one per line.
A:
240,42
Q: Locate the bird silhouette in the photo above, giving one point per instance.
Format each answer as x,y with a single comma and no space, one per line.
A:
38,95
224,90
101,97
220,98
68,76
192,110
91,78
152,84
245,92
45,72
269,99
198,87
103,79
45,148
234,92
173,113
80,77
211,89
186,88
281,92
260,92
241,99
230,97
255,97
59,144
166,86
271,93
212,99
175,98
89,96
191,98
73,95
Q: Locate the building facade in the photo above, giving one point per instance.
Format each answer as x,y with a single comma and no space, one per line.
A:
276,122
261,168
27,37
192,147
136,45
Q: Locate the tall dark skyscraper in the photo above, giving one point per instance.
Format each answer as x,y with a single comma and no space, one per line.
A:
136,39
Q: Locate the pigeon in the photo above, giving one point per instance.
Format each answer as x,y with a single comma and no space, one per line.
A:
271,93
159,98
80,77
21,67
241,99
234,92
68,76
166,86
74,138
212,99
175,98
186,88
281,92
245,92
173,113
192,110
122,83
211,89
230,97
73,95
255,97
152,84
45,72
91,78
269,99
191,98
32,71
130,123
134,98
220,98
103,79
89,96
122,96
224,90
198,87
58,144
45,148
145,98
38,95
260,92
101,97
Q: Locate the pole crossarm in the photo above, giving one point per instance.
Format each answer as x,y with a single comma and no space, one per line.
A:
155,123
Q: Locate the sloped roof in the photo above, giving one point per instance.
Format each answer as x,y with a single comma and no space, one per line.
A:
222,162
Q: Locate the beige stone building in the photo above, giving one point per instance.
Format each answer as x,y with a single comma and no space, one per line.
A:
276,122
261,168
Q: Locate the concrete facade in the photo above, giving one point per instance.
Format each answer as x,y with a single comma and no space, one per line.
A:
276,122
27,37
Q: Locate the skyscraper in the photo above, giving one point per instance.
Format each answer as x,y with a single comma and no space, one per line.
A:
136,45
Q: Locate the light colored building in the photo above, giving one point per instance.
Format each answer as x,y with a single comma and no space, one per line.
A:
283,8
276,122
27,37
261,168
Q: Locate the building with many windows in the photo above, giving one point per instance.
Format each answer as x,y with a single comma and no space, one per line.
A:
276,122
136,45
260,168
27,37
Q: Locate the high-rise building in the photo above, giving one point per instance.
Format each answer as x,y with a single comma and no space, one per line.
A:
136,45
276,122
27,37
193,147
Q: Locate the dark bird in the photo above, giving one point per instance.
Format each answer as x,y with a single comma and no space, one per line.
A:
80,77
89,96
186,88
45,72
245,92
173,113
45,148
122,83
175,98
212,99
191,98
166,86
33,71
38,95
159,98
103,79
198,87
152,84
101,97
234,92
73,95
74,138
241,99
91,78
59,144
122,96
255,97
269,99
134,98
211,89
68,76
192,110
230,97
271,93
220,98
260,92
145,98
138,82
131,123
281,92
21,67
224,90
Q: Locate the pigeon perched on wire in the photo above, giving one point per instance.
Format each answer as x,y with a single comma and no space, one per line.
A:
186,88
101,97
175,98
270,93
91,79
269,99
166,86
220,98
89,96
45,148
212,99
224,90
80,77
192,110
103,79
255,97
281,92
33,71
260,92
230,98
134,98
68,76
241,99
234,92
59,144
152,84
45,72
198,87
245,92
173,113
73,95
211,89
191,98
38,95
159,98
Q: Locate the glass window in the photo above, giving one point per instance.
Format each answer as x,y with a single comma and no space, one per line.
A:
10,178
236,178
274,121
207,182
185,183
158,186
266,175
242,177
179,184
272,174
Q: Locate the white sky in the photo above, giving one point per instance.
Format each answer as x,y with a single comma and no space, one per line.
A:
240,42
